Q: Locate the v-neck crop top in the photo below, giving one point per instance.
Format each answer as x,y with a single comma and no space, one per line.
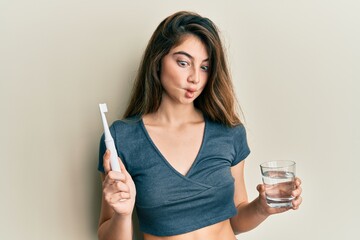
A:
167,202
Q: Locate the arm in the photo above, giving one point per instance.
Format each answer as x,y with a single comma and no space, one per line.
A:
251,214
111,224
248,216
117,205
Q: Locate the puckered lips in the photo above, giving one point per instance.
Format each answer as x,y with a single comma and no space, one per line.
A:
190,92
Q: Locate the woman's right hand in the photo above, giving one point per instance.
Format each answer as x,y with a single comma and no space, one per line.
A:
118,188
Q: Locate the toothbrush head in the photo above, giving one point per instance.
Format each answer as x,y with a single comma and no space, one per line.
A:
103,107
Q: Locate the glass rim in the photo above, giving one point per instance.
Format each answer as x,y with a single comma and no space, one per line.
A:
283,163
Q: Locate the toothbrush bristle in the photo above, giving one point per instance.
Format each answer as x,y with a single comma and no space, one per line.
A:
103,107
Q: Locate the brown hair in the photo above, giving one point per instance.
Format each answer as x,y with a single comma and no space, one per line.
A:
217,101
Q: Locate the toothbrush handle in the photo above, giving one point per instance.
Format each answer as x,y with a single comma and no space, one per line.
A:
113,157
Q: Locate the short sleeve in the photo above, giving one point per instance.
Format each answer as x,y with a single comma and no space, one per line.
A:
241,146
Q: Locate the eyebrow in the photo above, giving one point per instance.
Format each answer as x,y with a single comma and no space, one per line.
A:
188,55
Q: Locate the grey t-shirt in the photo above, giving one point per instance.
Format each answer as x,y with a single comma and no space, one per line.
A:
169,203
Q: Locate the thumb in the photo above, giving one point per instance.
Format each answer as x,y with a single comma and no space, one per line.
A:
261,189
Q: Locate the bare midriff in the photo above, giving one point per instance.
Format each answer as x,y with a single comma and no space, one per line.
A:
221,230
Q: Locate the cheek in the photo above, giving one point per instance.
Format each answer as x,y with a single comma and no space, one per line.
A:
171,76
166,72
204,81
166,79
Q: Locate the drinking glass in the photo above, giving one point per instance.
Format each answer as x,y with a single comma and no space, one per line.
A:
279,180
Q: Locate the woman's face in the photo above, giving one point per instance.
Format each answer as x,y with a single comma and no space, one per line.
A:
185,70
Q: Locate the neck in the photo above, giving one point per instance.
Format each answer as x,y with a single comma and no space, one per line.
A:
176,114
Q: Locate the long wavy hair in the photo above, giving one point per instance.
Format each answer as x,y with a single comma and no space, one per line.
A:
217,101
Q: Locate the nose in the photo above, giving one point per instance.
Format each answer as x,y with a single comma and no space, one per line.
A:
194,76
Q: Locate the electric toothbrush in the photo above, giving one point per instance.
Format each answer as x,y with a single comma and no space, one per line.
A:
109,141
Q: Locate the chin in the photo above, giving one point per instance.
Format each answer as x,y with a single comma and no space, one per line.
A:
189,100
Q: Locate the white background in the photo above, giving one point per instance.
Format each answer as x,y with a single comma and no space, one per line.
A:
295,66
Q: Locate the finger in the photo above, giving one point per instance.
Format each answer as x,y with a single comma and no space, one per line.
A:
297,181
116,176
118,197
121,187
125,195
261,189
112,177
112,187
296,202
297,192
106,161
113,198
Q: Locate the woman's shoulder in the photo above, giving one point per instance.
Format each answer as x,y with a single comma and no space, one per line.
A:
126,124
221,127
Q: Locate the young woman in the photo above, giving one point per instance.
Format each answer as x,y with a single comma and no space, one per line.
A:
181,145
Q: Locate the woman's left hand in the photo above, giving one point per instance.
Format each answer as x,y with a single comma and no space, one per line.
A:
267,210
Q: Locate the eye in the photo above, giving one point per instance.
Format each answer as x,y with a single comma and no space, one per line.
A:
182,63
205,68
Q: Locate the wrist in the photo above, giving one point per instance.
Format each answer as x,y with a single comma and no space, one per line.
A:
122,217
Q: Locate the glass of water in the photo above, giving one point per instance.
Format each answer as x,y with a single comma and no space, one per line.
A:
279,180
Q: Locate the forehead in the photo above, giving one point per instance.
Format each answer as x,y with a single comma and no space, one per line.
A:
192,45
